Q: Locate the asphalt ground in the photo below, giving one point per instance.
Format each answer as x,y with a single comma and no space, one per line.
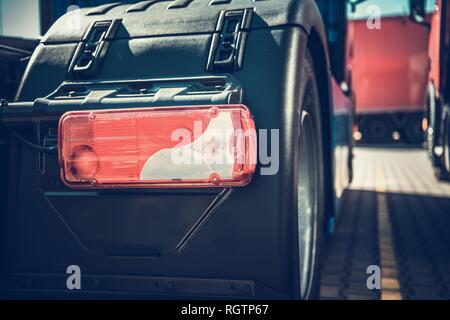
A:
396,216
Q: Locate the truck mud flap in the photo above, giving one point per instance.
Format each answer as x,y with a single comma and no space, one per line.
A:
127,233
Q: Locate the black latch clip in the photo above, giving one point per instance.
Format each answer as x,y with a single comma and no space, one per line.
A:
92,50
227,48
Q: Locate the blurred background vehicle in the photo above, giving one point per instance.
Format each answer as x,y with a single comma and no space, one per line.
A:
437,93
390,71
390,61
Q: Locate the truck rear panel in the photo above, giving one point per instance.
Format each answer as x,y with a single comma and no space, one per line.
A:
170,242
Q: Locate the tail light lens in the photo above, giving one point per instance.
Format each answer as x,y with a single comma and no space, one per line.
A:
201,146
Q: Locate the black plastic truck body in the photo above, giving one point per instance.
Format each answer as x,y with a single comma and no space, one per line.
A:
170,243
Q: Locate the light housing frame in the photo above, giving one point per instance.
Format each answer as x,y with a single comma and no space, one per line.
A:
241,175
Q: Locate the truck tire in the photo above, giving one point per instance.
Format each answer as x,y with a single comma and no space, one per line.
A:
309,186
413,131
351,156
433,118
446,145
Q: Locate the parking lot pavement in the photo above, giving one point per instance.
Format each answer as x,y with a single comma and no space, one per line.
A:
396,216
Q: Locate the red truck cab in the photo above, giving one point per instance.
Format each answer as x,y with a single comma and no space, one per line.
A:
390,74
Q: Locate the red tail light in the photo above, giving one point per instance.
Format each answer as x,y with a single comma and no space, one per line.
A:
200,146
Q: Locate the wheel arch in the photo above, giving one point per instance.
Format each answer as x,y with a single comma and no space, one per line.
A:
319,49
